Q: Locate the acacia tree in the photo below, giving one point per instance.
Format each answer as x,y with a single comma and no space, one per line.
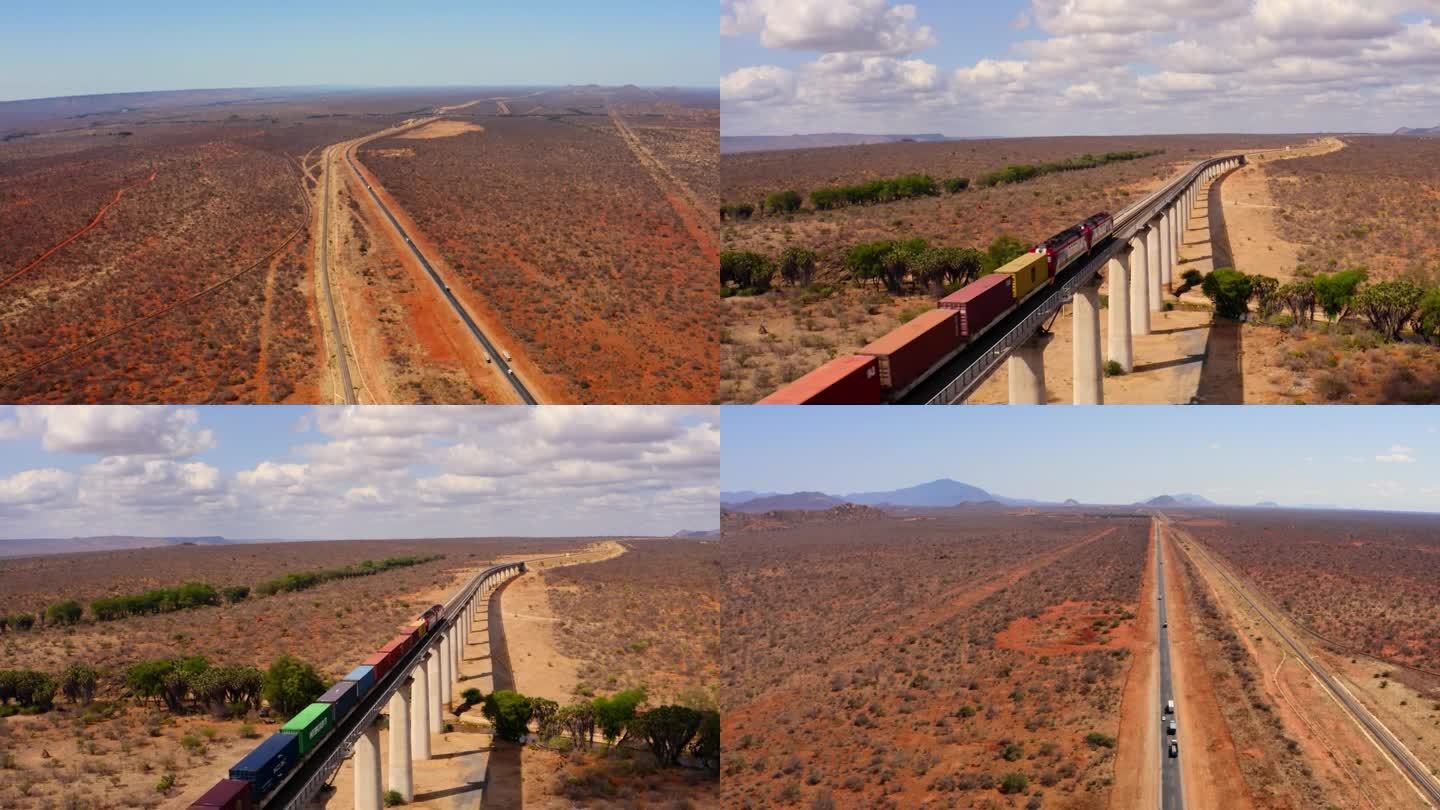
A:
509,712
1336,291
545,713
291,684
578,720
1389,305
1426,321
667,730
615,715
1298,298
797,265
78,684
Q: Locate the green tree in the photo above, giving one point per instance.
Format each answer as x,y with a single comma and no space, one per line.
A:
1298,298
783,202
67,612
1335,292
509,712
866,261
1263,289
578,720
797,265
1389,305
746,270
78,683
1229,290
236,593
291,685
545,713
955,185
1426,322
615,714
1002,251
706,745
667,730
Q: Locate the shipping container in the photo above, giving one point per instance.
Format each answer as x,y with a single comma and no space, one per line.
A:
364,678
981,302
343,696
1030,271
311,725
912,349
267,764
228,794
379,663
850,380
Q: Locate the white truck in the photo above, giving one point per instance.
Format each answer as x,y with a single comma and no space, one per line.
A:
1169,707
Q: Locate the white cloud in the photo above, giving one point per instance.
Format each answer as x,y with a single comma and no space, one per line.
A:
828,26
135,430
758,85
35,489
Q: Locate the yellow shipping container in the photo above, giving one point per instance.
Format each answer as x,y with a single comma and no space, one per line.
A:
1029,271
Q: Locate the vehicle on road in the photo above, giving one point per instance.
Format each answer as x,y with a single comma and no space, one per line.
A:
1164,624
1169,707
1171,729
1174,748
506,355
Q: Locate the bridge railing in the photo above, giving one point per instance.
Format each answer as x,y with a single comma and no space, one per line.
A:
1127,223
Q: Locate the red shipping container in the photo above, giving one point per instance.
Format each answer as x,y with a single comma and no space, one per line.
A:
852,380
228,794
981,302
910,350
381,662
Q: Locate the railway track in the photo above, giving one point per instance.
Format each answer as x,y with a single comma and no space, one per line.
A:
1425,784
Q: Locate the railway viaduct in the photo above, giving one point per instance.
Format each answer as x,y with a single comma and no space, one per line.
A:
1140,260
414,695
1139,271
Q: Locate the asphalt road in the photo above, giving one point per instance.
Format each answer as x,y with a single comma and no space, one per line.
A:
495,356
1427,785
1171,795
340,363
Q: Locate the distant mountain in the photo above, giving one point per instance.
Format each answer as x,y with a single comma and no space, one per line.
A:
695,534
791,501
31,547
940,492
1427,131
734,144
1178,499
1070,502
743,495
1267,505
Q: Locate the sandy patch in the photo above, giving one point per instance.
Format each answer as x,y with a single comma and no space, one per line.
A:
396,153
438,129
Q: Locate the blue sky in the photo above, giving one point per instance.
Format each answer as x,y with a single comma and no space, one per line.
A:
1381,457
372,472
1077,67
101,46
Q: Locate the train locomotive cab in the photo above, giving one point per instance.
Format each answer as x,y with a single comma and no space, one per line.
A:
1097,228
1062,249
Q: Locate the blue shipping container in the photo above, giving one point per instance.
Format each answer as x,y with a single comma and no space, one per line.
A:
268,763
343,696
364,677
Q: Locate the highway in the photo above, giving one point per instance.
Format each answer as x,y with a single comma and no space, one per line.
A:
1424,783
1172,797
958,377
340,362
495,356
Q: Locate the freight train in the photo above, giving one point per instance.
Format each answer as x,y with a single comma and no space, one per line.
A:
891,365
263,769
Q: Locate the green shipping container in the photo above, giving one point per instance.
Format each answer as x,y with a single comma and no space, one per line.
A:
311,725
1029,271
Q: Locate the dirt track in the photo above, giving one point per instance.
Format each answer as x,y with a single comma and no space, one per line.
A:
1137,749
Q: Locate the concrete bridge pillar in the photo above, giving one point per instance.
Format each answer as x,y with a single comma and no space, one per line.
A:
1087,377
1121,348
432,706
1164,234
367,769
447,662
402,778
1139,286
1026,368
1152,261
419,711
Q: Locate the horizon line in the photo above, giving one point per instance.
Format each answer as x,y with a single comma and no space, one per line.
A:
455,85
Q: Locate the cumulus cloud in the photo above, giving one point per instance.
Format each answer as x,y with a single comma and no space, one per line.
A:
138,430
36,489
1098,66
828,26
